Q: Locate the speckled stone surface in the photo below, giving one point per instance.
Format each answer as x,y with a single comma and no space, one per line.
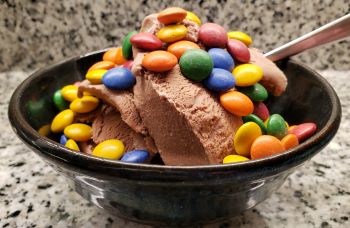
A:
37,32
32,194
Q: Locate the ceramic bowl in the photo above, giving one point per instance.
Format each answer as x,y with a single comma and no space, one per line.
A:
169,195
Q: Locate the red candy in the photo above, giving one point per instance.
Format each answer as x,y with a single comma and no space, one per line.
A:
261,110
212,35
128,64
146,41
303,131
238,50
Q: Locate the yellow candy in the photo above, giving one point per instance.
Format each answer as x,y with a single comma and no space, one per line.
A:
84,104
245,137
44,130
95,76
69,92
238,35
247,74
172,33
71,144
62,120
193,17
112,149
78,132
234,158
265,122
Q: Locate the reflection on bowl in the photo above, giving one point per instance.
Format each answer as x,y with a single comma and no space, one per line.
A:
168,195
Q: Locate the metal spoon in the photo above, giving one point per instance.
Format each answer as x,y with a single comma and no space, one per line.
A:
333,31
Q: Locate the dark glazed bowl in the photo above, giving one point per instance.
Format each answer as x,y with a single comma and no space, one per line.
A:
168,195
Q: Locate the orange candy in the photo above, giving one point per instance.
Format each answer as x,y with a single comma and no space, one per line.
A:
120,60
237,103
159,61
179,47
289,141
111,55
106,65
265,145
172,15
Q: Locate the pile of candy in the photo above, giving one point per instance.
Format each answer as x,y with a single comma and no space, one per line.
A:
219,60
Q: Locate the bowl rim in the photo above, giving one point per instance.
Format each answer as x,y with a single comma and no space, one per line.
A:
32,138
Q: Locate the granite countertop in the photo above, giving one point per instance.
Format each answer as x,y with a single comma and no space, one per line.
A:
32,194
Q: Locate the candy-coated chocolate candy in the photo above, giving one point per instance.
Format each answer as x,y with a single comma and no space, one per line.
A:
127,47
62,120
172,33
111,149
212,35
265,145
241,36
220,80
196,64
256,92
95,76
261,110
237,103
44,130
180,47
59,101
118,79
247,74
276,126
63,139
159,61
238,50
69,92
255,119
135,156
193,17
128,64
234,158
84,105
172,15
105,65
289,141
78,132
71,144
146,41
120,60
303,131
111,55
292,127
245,136
221,59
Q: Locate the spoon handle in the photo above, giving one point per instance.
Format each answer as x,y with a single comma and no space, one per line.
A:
335,30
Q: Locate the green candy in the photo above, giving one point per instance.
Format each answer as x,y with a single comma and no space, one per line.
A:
127,47
276,126
60,103
256,92
255,119
196,64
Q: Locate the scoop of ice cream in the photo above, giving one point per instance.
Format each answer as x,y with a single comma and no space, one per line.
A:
187,122
273,79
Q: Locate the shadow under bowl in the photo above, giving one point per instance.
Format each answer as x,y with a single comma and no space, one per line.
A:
169,195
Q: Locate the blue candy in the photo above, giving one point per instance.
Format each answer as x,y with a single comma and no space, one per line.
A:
63,139
118,79
135,156
219,80
221,59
